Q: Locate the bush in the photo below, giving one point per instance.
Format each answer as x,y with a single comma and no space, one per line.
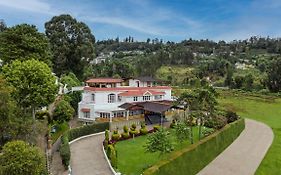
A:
216,122
207,131
115,135
133,130
65,151
231,116
143,130
63,111
156,127
112,155
106,140
87,129
125,129
210,147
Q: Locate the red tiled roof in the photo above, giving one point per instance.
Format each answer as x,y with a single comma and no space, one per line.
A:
140,93
85,110
104,80
127,88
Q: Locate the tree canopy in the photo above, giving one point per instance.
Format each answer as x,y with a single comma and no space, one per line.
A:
20,158
72,44
33,82
23,42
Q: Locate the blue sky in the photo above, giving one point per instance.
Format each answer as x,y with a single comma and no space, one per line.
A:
173,20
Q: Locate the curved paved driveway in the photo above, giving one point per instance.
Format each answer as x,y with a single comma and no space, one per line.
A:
245,154
87,157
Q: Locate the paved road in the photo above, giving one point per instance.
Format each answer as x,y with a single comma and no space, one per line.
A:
87,157
245,154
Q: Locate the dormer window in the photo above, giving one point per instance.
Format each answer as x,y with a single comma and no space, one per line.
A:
111,98
146,98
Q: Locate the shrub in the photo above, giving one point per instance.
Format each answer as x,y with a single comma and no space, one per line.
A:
65,150
125,129
156,127
133,130
87,129
143,130
231,116
207,131
115,135
216,122
112,155
63,111
106,140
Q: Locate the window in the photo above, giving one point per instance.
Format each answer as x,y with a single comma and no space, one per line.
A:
146,98
158,97
111,98
135,98
86,114
119,98
93,97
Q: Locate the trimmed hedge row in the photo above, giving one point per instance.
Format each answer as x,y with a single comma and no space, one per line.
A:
192,159
76,133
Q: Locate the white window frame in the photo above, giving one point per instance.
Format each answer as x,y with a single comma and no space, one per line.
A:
111,98
86,114
135,98
146,98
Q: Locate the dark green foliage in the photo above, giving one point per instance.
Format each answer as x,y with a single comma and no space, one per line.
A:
210,147
106,139
21,158
87,129
239,81
159,142
65,150
274,75
24,42
72,44
231,116
216,122
41,115
63,111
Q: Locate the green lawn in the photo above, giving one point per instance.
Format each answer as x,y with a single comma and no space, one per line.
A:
266,109
133,159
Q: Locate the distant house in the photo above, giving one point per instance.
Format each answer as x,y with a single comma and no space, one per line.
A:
110,98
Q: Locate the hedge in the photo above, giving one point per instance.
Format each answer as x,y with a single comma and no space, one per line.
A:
192,159
76,133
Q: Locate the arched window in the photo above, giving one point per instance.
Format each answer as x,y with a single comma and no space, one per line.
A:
111,98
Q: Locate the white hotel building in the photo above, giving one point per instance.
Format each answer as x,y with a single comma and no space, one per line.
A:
109,98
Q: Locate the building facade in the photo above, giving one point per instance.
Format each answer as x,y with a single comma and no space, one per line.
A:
105,97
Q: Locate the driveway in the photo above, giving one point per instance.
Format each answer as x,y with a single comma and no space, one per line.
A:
245,154
87,157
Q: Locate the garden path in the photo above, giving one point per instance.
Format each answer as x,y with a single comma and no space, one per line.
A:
245,154
87,157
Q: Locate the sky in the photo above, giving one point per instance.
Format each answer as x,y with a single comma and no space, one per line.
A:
170,20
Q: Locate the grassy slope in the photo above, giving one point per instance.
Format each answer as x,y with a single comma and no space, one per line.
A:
267,110
133,159
177,72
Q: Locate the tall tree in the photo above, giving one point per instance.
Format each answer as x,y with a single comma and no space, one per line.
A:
20,158
274,75
72,44
3,25
33,82
24,42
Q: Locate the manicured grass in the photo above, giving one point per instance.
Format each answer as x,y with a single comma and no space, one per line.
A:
133,159
266,109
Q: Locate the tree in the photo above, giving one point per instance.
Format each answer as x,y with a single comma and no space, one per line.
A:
3,25
239,80
24,42
33,82
159,142
20,158
249,80
274,75
72,44
63,111
70,80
